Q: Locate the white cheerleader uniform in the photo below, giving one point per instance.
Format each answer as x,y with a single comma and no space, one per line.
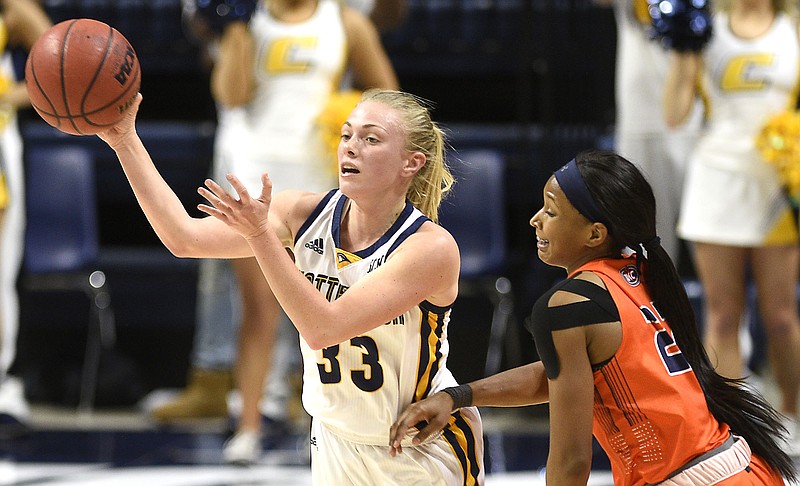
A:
298,65
641,133
12,233
734,197
355,390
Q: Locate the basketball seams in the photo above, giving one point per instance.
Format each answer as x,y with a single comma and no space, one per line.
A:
124,94
64,96
121,96
44,94
109,43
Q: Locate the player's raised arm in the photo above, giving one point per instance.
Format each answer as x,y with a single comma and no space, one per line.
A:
183,235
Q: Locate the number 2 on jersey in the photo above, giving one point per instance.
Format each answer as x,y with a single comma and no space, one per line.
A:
671,356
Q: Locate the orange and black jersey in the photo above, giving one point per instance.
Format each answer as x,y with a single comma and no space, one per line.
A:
650,414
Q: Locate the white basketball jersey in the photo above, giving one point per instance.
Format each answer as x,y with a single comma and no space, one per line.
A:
358,388
297,67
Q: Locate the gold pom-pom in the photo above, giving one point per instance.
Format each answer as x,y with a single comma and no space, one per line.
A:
331,119
6,84
4,196
779,144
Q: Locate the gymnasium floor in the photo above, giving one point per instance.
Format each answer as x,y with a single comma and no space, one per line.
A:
120,448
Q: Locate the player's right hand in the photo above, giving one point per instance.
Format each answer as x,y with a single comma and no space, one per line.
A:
119,132
435,410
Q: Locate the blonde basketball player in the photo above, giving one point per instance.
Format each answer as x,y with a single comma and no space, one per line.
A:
372,296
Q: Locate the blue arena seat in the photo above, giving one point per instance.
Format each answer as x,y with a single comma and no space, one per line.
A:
474,213
61,244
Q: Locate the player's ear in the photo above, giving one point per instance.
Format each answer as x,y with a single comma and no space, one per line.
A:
414,162
598,234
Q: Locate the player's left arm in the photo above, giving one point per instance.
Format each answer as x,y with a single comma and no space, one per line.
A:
425,267
25,22
571,396
524,385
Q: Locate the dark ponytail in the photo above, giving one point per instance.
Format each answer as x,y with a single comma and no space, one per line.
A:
613,183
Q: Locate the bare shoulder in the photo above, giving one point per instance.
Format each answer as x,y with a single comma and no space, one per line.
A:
432,245
432,255
591,277
439,236
292,208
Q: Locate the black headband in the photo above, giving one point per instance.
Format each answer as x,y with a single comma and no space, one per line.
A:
571,182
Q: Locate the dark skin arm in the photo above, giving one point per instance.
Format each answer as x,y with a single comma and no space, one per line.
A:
571,403
680,86
366,54
232,80
525,385
569,460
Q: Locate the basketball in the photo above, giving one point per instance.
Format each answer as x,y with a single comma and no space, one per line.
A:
82,75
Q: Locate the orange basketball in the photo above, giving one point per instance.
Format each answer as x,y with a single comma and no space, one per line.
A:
82,75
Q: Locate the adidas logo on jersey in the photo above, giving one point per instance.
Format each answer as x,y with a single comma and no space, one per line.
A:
315,245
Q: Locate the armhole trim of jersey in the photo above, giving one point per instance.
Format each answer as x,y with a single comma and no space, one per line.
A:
313,216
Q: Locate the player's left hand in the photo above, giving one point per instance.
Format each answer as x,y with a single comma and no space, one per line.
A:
247,216
435,410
